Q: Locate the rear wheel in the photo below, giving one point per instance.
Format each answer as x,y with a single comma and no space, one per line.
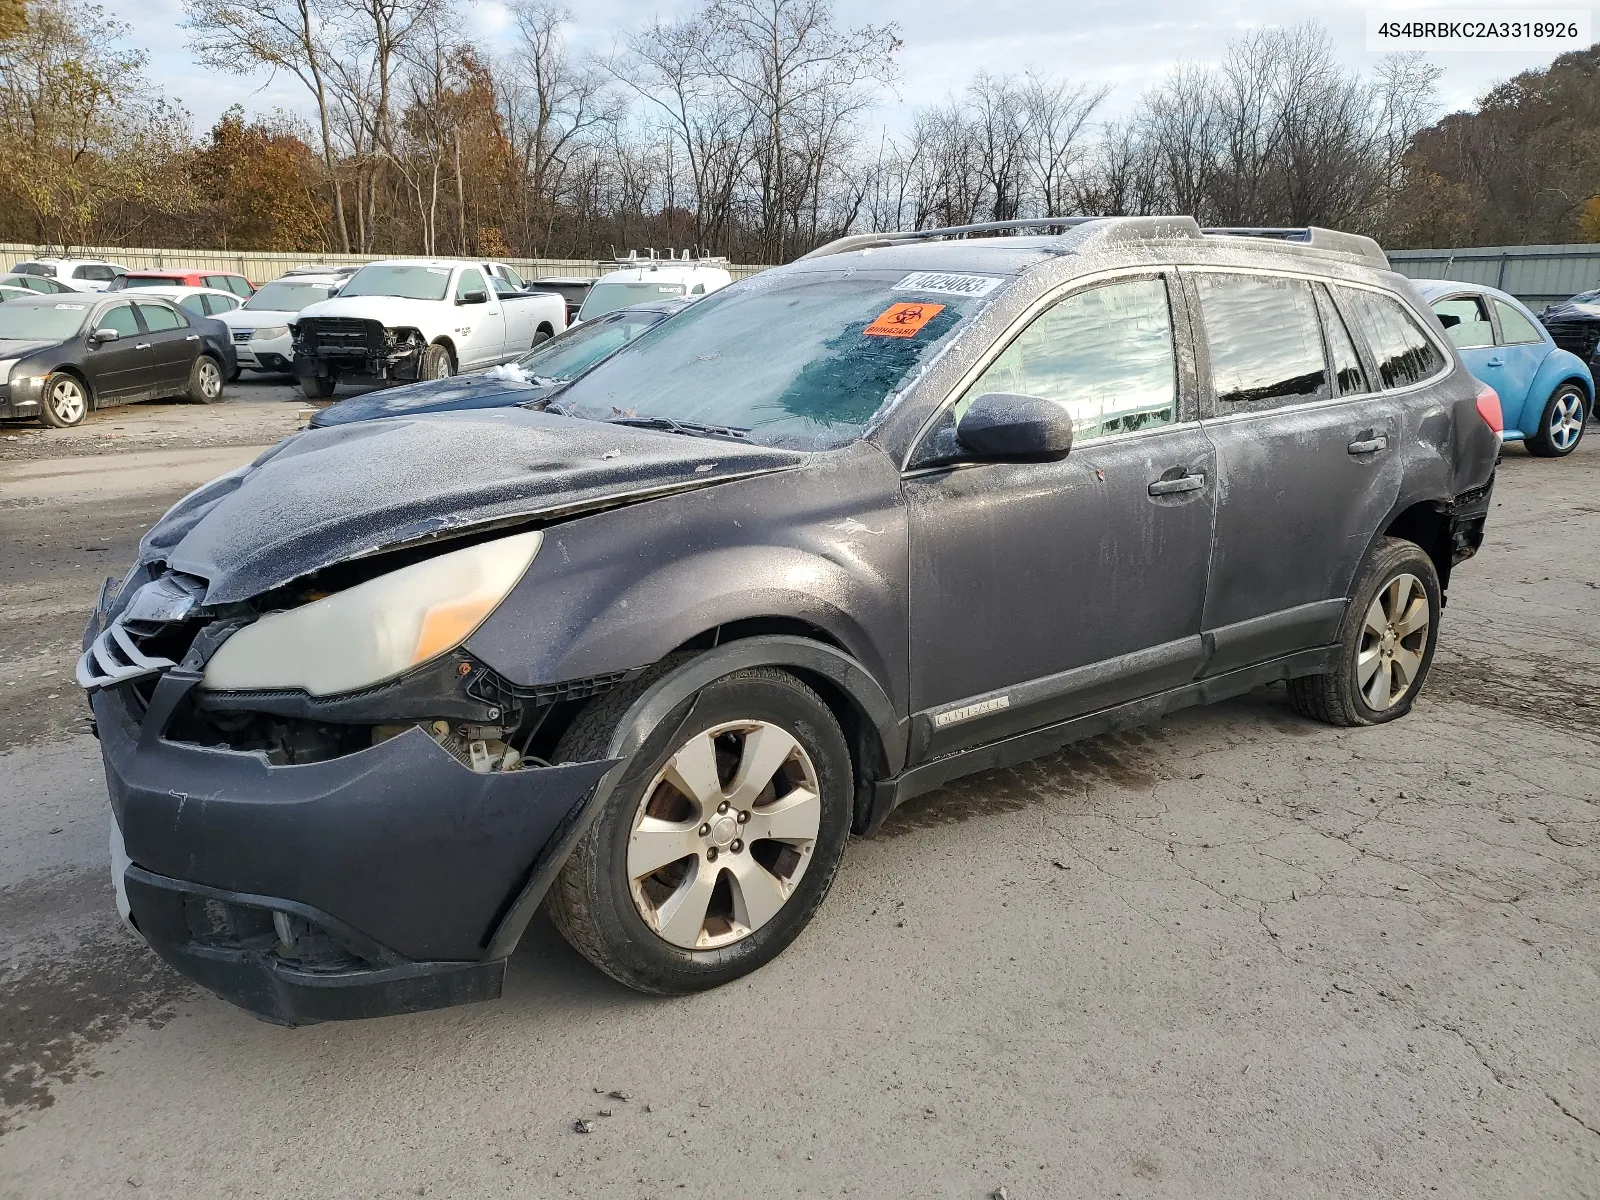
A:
318,387
205,380
65,401
436,363
1561,424
719,843
1386,642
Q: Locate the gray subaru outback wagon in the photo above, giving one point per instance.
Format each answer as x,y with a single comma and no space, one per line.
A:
648,650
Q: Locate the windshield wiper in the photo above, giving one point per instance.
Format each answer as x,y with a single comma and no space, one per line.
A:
693,428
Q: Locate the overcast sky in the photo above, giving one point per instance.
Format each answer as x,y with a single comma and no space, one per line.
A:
1125,43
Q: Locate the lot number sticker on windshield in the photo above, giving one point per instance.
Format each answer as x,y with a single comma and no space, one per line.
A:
949,285
902,320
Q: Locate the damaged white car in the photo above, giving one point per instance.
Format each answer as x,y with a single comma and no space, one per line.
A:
409,319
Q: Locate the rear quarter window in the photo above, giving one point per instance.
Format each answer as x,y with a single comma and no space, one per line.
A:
1405,355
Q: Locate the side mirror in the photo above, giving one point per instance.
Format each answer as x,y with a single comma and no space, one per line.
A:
106,334
473,298
1026,428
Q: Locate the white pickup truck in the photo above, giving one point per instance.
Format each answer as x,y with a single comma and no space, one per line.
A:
408,319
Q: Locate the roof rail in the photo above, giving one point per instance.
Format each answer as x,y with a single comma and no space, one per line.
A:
862,241
1310,235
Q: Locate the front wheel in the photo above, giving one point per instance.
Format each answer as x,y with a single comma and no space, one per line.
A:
1386,642
436,363
65,401
205,380
1561,424
719,843
318,387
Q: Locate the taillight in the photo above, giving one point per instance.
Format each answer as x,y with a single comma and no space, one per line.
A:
1489,409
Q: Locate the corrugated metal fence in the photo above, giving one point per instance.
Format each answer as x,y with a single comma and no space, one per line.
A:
1536,275
260,266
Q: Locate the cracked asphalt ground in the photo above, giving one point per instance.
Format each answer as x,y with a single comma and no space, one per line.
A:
1232,954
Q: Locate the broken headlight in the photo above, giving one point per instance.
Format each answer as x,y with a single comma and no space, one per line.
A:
375,630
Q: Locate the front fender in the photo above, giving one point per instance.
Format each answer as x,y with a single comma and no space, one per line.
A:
824,545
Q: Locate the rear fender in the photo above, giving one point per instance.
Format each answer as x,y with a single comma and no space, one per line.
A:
1559,367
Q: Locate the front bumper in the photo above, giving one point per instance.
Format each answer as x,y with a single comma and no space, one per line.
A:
266,354
355,887
22,397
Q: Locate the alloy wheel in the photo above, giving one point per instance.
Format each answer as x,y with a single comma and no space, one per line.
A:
723,834
1394,639
1566,420
210,379
67,401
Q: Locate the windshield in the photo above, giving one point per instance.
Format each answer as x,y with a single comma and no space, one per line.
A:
409,283
286,297
803,359
41,322
606,297
139,281
572,353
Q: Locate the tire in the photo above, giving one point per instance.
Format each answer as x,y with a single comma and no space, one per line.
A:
1560,427
318,387
64,402
753,899
436,363
540,336
1396,576
205,380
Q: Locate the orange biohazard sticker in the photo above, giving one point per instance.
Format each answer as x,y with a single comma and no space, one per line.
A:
903,320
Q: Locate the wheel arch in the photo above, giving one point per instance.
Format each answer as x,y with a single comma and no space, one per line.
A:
848,689
1426,524
545,328
77,373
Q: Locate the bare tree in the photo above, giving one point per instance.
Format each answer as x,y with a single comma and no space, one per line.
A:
280,35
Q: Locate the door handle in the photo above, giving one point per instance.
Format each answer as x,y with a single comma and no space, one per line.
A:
1171,487
142,346
1495,362
1369,445
193,337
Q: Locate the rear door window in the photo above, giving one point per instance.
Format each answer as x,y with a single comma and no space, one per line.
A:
1466,321
220,304
158,318
1105,355
193,304
1405,355
1265,341
1515,328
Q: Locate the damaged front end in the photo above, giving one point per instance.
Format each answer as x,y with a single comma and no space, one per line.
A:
332,347
315,856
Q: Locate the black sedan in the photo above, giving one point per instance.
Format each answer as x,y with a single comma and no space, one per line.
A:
534,376
61,356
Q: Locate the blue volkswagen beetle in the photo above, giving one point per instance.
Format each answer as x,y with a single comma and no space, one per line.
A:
1546,393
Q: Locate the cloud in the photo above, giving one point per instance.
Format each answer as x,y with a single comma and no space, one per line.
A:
1112,42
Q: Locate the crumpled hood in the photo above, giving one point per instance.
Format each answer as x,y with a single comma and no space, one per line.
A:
391,310
434,395
327,495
